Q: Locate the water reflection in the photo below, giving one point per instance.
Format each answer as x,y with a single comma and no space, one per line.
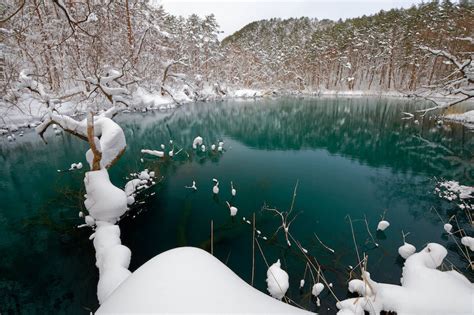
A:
352,156
368,130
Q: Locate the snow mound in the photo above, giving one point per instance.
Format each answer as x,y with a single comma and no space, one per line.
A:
247,93
468,241
466,118
424,289
448,228
194,276
383,225
197,142
277,281
150,100
464,192
406,250
317,289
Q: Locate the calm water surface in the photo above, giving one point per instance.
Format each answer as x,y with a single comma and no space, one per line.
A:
351,157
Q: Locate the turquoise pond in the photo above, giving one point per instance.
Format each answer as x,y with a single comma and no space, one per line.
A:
351,156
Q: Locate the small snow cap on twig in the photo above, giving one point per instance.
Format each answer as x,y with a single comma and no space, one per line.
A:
233,210
197,141
448,228
215,189
317,289
232,190
383,225
406,250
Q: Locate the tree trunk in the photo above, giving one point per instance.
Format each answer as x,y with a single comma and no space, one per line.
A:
129,24
97,155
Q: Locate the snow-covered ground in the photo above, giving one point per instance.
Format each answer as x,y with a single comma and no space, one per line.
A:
29,111
190,280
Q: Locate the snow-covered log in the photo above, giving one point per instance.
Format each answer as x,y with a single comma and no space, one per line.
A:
153,152
104,201
111,139
112,259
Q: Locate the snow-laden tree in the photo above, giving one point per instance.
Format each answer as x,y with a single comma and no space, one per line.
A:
379,52
459,83
64,44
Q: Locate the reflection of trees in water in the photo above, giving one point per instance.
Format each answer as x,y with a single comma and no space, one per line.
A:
369,130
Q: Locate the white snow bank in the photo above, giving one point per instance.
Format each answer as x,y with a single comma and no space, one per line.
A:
104,201
424,289
247,93
189,280
466,118
468,241
151,100
277,281
453,187
324,92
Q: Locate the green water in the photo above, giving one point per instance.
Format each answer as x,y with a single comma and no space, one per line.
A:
350,156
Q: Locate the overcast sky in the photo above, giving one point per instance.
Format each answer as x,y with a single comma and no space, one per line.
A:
233,15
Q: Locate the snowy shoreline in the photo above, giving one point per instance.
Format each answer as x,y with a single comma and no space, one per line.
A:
15,120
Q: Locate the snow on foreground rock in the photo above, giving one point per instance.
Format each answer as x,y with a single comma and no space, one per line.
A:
189,280
424,289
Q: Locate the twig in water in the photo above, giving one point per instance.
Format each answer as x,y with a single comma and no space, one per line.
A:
253,249
324,245
368,230
212,237
294,197
354,238
465,254
318,268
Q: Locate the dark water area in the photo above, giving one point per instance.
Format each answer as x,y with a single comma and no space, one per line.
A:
350,156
